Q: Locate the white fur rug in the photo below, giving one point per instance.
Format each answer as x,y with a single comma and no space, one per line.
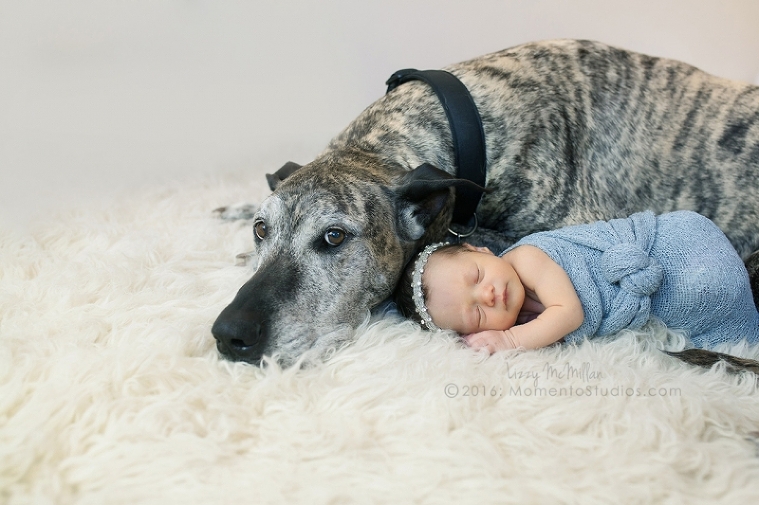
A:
111,390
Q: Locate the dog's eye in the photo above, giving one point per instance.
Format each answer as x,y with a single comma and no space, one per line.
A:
334,237
259,228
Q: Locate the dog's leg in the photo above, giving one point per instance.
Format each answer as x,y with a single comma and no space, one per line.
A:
706,359
752,265
243,211
236,212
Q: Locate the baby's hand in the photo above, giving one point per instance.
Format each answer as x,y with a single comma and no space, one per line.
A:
492,340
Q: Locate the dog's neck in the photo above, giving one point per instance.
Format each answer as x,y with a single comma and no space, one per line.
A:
467,134
405,146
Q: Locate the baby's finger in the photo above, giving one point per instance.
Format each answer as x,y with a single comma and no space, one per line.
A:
474,340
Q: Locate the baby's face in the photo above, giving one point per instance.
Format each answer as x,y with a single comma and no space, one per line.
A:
472,291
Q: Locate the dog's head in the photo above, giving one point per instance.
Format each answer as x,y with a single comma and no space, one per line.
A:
331,242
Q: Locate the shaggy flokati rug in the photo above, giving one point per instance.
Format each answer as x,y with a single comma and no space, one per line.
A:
111,390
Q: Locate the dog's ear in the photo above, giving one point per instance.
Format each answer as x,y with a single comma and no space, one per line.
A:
280,175
422,195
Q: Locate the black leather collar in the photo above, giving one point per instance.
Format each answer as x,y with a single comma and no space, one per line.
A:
466,129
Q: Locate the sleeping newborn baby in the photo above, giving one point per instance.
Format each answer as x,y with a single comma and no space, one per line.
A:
586,280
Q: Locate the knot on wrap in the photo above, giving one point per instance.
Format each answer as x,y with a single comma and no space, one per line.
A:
638,276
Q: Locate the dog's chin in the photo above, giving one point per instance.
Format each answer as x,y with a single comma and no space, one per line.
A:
321,346
292,353
229,355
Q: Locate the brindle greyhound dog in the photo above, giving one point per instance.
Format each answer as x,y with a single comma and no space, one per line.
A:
575,131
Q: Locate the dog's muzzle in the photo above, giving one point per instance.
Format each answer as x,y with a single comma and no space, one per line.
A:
243,329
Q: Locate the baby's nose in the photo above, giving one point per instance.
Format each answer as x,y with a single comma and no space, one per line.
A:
487,296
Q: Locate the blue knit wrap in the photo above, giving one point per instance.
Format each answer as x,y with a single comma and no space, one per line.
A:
678,267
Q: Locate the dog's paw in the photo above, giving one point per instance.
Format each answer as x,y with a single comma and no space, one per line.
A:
236,212
245,259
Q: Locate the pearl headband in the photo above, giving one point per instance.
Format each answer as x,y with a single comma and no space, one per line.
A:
416,285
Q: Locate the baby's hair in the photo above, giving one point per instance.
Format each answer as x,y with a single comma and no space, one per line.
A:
404,293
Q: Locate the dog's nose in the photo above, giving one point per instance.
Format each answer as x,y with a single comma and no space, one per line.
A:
239,339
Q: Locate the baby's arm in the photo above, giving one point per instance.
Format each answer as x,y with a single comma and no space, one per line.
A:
563,311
